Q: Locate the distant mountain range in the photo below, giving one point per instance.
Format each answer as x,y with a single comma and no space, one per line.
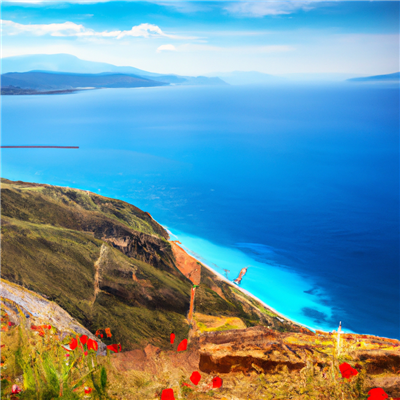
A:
49,73
63,63
378,78
44,72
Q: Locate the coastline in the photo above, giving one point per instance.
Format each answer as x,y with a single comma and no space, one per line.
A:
230,283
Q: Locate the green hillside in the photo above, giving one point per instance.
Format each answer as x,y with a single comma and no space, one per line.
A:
108,264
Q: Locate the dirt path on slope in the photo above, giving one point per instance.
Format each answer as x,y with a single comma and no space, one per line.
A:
96,272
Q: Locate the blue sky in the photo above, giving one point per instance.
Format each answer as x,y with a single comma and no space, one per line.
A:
358,37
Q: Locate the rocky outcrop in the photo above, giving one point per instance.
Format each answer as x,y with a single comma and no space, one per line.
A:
379,361
147,248
254,349
263,350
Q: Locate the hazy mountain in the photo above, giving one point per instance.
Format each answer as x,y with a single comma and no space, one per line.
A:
378,78
68,63
318,77
63,63
246,77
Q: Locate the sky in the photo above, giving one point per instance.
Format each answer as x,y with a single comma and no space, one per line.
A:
200,37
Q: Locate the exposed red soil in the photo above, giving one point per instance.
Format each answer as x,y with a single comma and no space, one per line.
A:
187,264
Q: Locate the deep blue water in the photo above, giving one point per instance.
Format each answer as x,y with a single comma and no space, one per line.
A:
301,183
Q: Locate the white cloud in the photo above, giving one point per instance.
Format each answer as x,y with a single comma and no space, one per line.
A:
72,29
166,47
263,8
64,29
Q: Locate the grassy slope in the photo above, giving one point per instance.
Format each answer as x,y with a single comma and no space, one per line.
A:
48,246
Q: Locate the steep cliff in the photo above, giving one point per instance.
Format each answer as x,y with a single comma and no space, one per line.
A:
109,264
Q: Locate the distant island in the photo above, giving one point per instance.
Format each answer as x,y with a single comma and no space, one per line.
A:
395,77
43,81
63,73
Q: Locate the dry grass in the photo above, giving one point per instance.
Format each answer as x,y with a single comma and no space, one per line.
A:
38,364
209,323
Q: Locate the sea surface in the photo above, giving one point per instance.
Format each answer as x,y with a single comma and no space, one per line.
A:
300,183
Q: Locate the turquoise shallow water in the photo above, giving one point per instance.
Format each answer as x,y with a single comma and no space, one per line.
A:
301,183
278,287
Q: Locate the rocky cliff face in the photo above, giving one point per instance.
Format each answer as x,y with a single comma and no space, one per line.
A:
144,247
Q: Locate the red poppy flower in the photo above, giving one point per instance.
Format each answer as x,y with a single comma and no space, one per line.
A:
377,394
182,346
92,345
83,339
114,347
15,389
88,390
217,382
36,328
195,377
101,335
108,332
172,338
48,327
86,353
167,394
73,344
347,370
11,323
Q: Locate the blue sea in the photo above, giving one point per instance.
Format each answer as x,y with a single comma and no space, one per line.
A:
300,183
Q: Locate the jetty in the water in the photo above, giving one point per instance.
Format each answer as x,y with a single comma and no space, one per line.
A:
241,275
